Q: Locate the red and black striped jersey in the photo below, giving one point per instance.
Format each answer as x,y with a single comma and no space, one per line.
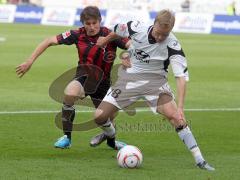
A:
88,52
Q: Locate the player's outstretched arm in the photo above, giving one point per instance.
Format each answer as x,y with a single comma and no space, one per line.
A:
24,67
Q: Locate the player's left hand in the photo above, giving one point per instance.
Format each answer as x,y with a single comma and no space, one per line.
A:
125,60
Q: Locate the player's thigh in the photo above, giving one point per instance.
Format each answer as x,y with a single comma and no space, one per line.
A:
73,92
105,111
167,106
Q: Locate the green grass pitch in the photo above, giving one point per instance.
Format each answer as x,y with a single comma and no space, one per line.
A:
26,150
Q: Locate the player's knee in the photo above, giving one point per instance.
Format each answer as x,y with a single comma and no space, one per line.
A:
69,99
74,93
176,120
175,117
74,89
167,113
172,116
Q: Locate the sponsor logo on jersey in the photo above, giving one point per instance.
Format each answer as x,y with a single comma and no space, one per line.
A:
142,56
66,34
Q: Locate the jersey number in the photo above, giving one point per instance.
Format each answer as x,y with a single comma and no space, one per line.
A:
115,93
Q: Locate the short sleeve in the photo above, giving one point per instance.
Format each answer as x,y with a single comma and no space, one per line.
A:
68,37
128,29
178,59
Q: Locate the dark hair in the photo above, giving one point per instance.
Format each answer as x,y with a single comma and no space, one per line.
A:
90,12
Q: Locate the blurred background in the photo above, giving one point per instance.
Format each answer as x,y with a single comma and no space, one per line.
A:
203,6
194,16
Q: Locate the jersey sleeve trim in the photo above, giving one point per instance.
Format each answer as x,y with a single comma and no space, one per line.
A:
179,66
172,52
130,30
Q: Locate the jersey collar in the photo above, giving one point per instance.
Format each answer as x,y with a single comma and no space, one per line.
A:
151,39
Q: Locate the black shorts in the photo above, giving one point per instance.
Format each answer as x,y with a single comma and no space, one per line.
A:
96,91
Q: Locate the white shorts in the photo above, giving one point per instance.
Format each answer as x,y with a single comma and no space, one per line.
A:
130,87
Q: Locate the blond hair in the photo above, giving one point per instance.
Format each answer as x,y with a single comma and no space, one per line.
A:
165,18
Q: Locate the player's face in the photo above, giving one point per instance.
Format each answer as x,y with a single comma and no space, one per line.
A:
92,26
160,32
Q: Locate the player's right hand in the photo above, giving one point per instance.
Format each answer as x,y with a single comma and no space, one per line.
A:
23,68
101,42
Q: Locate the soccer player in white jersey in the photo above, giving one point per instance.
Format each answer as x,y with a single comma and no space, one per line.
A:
152,49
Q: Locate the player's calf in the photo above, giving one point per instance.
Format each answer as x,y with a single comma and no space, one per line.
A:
68,114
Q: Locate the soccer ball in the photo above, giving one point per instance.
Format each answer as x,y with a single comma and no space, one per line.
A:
129,157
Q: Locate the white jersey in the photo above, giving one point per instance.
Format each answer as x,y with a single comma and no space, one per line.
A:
148,56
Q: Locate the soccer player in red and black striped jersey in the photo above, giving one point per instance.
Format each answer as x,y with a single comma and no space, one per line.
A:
91,57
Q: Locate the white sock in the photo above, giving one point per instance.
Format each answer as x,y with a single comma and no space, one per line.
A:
187,137
197,155
109,129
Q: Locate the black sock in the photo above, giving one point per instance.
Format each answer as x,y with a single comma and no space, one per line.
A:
68,114
111,142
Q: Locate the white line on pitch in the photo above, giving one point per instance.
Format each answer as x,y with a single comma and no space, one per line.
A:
2,39
138,110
